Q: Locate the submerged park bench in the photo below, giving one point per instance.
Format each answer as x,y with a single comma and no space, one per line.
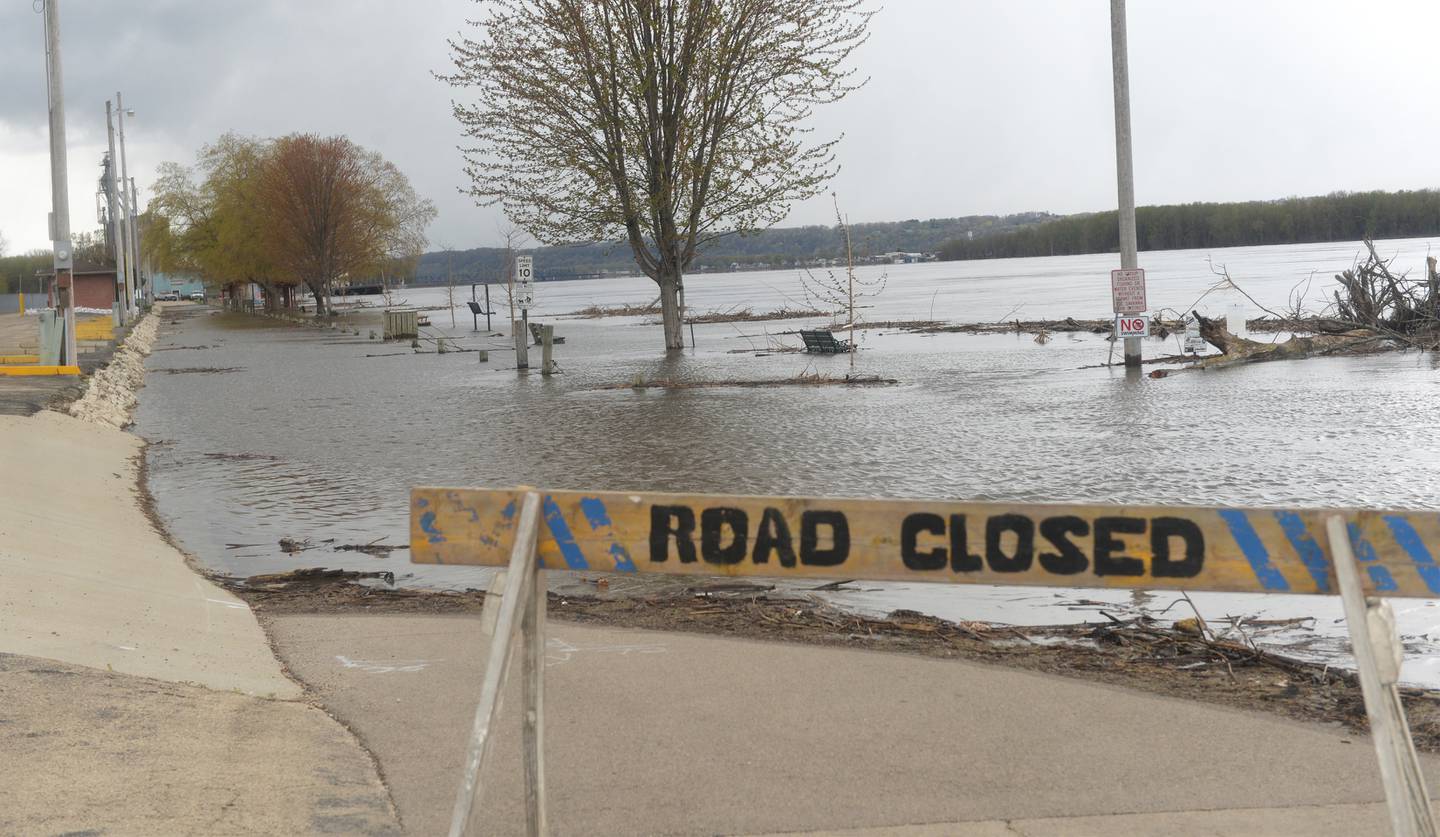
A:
822,342
537,331
1360,555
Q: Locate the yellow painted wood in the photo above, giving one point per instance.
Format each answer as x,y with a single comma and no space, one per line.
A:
1257,550
95,328
17,371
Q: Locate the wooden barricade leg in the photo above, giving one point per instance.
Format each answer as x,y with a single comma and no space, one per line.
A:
534,688
1377,660
520,579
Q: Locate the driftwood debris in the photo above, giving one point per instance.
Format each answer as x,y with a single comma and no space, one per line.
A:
1235,350
314,575
1374,310
374,548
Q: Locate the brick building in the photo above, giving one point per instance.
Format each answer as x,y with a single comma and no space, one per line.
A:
94,286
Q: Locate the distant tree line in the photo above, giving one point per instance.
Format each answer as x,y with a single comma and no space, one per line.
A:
1339,216
777,247
21,272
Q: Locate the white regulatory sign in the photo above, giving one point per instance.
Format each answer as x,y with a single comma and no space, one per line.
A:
1193,341
524,282
1127,325
1127,287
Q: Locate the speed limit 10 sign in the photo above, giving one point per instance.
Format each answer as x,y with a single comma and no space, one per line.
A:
524,281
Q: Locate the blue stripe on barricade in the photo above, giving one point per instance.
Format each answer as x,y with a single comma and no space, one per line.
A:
1410,541
1305,546
599,518
1250,544
560,531
1365,552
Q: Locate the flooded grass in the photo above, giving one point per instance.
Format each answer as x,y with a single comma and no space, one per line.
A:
746,315
632,309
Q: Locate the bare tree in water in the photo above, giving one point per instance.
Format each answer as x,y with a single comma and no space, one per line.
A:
334,210
838,294
665,123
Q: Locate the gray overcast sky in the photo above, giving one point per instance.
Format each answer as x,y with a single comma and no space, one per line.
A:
974,106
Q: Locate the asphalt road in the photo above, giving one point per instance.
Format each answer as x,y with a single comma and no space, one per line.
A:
666,733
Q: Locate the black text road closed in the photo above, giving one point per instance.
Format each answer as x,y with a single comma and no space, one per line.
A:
1262,550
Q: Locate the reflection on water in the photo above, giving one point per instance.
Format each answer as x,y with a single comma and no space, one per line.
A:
319,434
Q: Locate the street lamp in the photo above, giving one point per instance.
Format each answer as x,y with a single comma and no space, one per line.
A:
127,197
120,237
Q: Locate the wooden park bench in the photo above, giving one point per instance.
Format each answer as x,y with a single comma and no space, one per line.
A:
536,331
824,343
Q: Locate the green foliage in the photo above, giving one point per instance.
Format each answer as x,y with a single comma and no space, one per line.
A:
300,208
1339,216
18,272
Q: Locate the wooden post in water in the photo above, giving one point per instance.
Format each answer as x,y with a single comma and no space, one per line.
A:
522,342
1124,165
547,338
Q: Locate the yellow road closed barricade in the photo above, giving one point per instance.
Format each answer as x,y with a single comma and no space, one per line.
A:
1245,550
1351,553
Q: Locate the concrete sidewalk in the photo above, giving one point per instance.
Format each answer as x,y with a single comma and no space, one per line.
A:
89,581
135,696
667,733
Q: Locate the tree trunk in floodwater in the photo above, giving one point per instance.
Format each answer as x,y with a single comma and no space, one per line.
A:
1238,350
670,313
318,290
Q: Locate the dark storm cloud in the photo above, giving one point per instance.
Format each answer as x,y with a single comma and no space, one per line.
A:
973,105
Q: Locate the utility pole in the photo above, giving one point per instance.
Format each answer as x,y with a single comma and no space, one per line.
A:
1124,165
132,280
112,194
135,239
59,185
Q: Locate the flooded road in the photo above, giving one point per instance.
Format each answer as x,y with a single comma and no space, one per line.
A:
311,434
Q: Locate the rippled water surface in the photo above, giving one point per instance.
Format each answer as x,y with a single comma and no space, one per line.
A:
317,434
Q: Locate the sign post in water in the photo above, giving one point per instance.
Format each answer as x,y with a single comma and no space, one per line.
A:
524,282
1194,343
524,299
1131,325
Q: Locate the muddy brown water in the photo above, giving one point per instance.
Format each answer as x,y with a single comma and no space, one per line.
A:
309,436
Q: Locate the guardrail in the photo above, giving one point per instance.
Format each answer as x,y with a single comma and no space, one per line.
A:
1361,555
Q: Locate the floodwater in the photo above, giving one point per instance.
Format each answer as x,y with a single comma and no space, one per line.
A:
317,434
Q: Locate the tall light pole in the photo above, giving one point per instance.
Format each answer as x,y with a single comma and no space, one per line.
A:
135,233
132,281
59,184
117,223
1124,166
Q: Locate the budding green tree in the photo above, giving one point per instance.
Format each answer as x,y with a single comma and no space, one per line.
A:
662,123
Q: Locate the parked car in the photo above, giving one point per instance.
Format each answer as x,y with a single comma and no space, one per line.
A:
168,296
197,296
